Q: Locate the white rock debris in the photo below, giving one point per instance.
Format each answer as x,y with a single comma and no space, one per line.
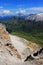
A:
13,49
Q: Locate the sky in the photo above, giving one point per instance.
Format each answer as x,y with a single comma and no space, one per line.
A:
21,6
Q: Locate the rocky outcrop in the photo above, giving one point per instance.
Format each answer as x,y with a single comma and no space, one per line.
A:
6,42
14,50
4,35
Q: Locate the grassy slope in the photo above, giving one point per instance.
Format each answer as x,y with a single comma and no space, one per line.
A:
38,38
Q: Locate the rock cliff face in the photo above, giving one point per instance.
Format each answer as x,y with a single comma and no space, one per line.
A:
6,42
14,50
4,36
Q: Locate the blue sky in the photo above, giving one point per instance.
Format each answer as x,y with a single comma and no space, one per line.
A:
22,6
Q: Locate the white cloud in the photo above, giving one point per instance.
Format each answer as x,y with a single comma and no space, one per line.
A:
23,11
36,8
6,12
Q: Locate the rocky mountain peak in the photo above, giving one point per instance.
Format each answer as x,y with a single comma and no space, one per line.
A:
37,17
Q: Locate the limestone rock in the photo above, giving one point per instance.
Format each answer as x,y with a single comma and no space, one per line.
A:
13,49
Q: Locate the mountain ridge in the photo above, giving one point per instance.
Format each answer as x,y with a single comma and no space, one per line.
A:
36,17
33,17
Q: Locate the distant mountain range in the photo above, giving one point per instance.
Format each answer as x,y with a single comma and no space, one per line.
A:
21,15
32,17
36,17
5,17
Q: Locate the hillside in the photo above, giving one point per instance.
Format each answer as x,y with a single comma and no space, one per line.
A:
29,29
14,50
